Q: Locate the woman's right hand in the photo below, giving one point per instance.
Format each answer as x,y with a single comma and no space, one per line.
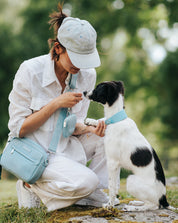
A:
68,99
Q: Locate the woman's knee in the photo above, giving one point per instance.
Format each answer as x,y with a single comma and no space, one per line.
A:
88,183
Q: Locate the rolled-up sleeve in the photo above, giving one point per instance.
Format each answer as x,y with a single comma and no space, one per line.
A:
20,100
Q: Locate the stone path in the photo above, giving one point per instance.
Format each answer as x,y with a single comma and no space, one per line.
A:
164,216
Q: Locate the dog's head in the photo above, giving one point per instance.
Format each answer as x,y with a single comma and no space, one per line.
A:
106,92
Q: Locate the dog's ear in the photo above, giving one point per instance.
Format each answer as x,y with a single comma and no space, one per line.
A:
120,85
111,94
114,88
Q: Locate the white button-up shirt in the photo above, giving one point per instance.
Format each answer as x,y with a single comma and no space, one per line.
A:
34,86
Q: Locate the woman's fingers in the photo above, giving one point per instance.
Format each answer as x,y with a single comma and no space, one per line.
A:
100,129
77,97
77,94
69,99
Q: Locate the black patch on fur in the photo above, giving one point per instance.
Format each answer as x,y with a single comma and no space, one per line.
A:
141,157
112,94
163,202
107,92
99,94
159,169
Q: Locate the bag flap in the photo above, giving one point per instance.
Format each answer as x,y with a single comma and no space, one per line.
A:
27,148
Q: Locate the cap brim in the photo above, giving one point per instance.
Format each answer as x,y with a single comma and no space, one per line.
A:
84,61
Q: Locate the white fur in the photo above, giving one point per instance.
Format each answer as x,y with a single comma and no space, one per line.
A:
90,121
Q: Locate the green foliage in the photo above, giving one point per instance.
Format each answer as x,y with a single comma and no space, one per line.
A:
6,75
167,82
171,7
35,31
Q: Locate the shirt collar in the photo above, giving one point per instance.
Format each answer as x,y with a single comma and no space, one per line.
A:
49,75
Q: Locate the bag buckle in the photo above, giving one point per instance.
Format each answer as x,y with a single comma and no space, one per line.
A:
64,125
46,162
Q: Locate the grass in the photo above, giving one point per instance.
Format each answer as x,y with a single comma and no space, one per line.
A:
9,211
7,192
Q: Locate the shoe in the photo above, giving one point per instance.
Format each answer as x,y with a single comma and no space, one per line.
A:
96,199
26,198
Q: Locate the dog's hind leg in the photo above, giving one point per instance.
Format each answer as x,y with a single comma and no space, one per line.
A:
143,190
113,174
147,206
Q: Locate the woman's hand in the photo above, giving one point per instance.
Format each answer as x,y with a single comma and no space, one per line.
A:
68,99
99,129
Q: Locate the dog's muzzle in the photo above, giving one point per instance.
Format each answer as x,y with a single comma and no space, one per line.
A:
87,94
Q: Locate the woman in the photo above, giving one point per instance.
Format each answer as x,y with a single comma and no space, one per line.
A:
39,91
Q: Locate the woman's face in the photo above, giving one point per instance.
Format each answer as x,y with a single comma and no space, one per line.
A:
66,63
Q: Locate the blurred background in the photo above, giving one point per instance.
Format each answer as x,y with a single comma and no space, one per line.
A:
138,44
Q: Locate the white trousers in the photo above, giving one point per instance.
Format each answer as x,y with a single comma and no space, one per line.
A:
66,181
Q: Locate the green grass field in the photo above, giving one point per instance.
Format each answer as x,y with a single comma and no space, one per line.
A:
9,211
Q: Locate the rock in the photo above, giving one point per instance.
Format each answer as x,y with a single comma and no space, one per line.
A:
172,181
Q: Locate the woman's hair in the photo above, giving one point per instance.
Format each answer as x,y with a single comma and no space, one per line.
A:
55,22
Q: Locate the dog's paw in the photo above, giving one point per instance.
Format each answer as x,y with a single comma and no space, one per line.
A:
116,202
130,208
90,121
145,207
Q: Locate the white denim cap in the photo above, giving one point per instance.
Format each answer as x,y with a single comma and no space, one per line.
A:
79,39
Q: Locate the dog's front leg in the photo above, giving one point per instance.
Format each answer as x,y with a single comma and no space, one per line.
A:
113,171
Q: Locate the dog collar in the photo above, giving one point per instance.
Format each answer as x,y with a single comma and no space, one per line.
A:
119,116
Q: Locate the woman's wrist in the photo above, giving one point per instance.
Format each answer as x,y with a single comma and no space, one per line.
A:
81,128
56,104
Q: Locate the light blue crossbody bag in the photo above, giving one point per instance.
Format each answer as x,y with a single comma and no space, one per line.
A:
26,159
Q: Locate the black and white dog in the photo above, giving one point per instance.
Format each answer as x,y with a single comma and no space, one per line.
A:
126,147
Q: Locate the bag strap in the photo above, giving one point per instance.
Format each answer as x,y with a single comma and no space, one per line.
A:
73,80
62,115
58,130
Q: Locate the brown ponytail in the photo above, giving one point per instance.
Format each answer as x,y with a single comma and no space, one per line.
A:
55,22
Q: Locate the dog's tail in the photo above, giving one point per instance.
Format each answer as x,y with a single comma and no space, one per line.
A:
164,204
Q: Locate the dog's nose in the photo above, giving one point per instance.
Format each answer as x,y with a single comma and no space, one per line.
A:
85,93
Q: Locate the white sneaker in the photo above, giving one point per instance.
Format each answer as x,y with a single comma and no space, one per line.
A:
26,198
96,199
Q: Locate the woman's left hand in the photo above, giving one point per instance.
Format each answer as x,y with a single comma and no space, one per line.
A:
99,129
